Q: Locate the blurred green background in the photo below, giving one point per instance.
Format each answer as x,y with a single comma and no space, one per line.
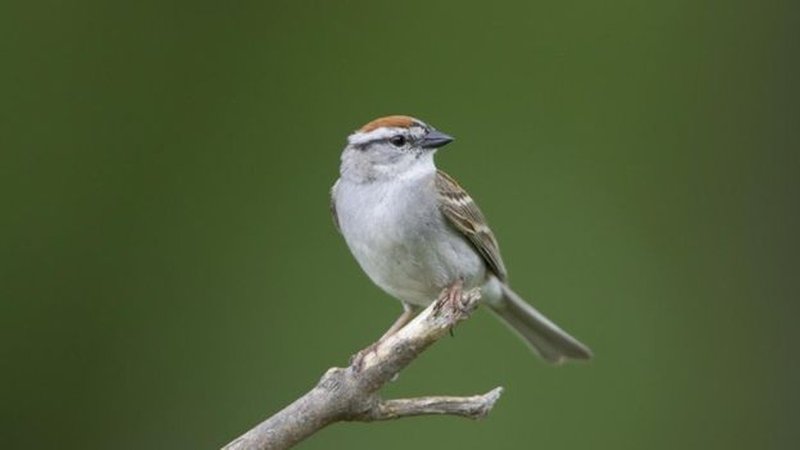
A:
169,273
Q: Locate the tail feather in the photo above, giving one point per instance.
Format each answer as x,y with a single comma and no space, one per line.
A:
552,343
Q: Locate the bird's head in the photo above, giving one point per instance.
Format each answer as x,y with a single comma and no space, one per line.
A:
391,147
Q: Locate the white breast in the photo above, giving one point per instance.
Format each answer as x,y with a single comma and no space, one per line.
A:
401,240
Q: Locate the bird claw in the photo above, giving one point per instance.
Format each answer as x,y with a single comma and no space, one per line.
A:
357,360
452,296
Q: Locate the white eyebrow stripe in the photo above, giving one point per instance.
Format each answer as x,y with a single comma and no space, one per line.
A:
359,137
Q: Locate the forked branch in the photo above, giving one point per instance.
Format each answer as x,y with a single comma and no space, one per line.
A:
352,393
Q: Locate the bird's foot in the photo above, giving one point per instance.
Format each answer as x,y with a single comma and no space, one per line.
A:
452,296
357,360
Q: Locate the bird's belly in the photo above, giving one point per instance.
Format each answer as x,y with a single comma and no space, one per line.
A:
414,264
402,241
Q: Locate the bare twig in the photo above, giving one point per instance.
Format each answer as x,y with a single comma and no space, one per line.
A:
475,407
351,393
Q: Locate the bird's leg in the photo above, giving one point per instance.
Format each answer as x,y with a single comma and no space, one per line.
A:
451,295
409,311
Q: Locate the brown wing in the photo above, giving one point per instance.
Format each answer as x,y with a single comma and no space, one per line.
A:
462,212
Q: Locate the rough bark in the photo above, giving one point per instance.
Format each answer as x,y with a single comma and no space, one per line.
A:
352,393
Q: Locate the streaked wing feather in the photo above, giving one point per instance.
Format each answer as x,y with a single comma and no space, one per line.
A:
463,213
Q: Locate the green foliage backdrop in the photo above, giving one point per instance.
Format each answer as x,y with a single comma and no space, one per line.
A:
169,273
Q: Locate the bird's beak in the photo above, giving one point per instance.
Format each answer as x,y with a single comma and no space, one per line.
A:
435,139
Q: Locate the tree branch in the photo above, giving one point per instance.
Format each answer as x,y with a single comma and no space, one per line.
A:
351,393
475,407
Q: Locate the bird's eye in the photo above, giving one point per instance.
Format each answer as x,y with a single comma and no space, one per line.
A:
398,141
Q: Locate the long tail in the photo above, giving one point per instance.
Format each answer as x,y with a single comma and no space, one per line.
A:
549,341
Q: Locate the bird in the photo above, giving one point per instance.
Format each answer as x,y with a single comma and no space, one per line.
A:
417,234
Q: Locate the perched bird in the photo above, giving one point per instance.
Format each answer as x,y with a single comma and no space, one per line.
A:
417,233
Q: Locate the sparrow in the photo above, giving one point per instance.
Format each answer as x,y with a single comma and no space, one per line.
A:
418,234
